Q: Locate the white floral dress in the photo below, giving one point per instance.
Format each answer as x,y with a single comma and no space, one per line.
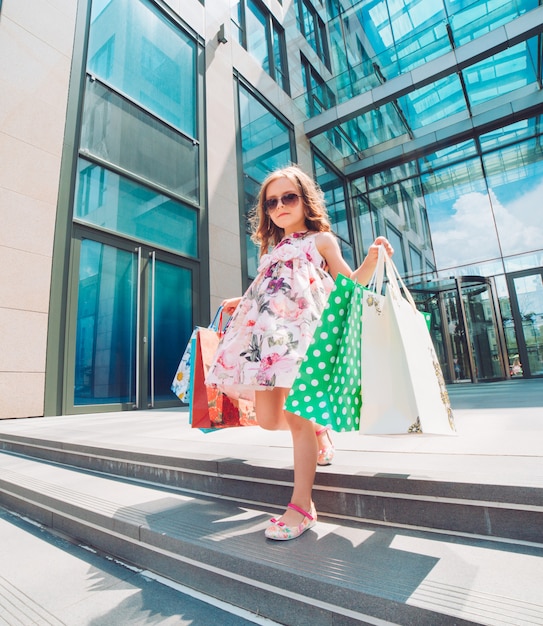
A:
273,325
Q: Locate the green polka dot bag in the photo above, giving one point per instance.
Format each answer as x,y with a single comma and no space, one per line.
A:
327,389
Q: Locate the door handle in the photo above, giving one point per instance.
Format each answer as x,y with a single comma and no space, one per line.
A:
152,333
138,329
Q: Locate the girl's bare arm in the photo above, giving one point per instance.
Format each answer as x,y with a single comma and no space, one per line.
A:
328,247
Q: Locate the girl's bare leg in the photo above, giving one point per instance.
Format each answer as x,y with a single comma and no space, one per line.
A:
271,416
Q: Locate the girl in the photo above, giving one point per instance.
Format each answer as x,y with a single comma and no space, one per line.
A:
273,323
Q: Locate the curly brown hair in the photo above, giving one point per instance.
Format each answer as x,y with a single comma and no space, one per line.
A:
265,232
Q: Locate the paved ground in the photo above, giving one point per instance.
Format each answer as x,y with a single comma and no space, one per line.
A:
499,438
499,441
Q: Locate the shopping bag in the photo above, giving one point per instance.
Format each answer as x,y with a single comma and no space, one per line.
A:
210,407
181,381
403,389
327,388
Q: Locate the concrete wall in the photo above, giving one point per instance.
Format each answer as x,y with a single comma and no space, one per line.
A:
36,41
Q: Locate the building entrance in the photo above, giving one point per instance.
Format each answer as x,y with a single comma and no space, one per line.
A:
526,294
469,340
132,319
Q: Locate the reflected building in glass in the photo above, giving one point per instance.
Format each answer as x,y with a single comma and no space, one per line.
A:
424,120
421,121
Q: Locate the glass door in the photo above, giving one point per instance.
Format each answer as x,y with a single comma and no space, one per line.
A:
526,292
481,322
169,325
459,360
464,327
133,317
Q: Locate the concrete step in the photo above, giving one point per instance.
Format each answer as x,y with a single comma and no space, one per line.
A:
507,511
340,572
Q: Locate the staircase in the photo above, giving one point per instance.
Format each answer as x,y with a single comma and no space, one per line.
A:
388,549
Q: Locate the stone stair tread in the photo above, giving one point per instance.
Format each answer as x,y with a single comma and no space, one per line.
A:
352,569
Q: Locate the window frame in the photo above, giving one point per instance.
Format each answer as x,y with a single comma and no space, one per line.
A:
273,28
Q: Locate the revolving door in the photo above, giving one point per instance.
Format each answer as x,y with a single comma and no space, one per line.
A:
468,339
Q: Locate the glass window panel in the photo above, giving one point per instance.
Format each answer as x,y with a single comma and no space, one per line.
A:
524,261
500,74
257,43
470,20
509,134
459,151
278,60
460,215
235,16
172,323
308,23
106,325
372,128
120,205
393,174
336,205
122,134
265,139
529,291
434,102
137,50
416,260
395,238
515,178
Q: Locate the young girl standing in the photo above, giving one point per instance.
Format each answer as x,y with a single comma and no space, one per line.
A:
273,323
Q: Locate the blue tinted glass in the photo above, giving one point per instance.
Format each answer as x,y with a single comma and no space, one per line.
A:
509,134
106,326
396,240
416,260
280,74
336,205
460,215
137,50
257,43
501,74
434,102
372,128
118,204
449,155
120,133
469,19
515,178
265,140
172,316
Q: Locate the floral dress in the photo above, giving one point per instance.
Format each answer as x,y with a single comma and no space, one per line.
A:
273,325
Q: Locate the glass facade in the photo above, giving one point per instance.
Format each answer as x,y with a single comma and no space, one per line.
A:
420,119
444,158
136,207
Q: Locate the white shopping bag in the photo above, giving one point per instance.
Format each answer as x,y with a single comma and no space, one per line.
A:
403,390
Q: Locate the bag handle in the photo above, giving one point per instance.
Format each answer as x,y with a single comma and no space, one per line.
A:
376,281
216,324
396,283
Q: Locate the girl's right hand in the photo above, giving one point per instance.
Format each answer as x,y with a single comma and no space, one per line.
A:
230,304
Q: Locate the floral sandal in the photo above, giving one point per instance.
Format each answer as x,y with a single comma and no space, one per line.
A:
326,454
280,532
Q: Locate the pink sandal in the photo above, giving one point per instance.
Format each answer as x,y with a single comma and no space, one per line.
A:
280,532
326,454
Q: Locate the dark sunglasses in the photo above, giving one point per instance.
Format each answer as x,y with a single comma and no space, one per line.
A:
289,199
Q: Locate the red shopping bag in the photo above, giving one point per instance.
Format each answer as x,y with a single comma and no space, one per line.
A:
209,406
